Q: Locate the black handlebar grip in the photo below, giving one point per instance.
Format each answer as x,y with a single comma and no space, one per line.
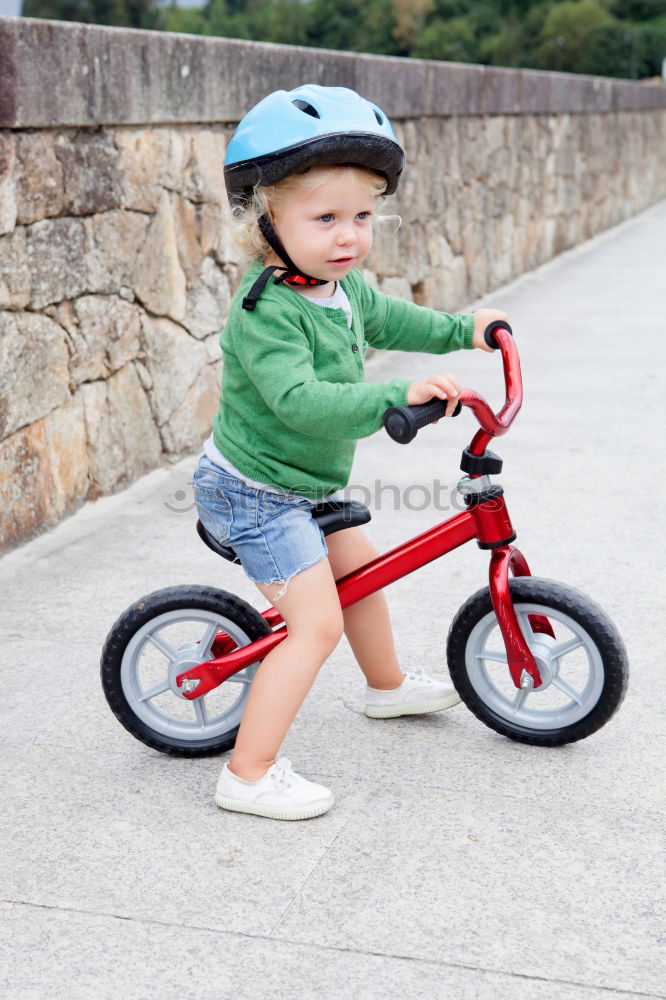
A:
489,332
403,422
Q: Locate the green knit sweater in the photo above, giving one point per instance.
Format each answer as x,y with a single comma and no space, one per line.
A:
294,398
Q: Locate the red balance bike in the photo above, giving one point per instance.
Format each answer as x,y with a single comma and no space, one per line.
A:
535,660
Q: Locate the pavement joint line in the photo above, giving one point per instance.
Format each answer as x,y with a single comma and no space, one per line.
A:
338,950
308,877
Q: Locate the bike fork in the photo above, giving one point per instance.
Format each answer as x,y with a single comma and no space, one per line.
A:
494,531
523,668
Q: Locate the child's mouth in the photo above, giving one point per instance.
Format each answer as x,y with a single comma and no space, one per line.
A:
341,261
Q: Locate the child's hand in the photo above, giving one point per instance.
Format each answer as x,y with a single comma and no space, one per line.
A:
439,386
482,317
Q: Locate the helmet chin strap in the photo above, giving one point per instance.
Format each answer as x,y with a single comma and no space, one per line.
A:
291,274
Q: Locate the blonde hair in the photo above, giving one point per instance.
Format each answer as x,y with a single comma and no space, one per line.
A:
245,229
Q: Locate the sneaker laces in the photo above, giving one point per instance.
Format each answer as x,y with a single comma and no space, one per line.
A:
282,772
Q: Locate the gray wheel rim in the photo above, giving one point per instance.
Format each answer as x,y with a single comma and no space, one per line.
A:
204,724
572,667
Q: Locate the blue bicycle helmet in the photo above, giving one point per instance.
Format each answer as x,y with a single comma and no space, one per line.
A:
289,131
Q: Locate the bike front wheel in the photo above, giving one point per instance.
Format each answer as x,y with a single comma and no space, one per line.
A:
584,668
160,637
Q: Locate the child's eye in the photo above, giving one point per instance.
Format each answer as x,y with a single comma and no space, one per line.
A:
328,217
363,216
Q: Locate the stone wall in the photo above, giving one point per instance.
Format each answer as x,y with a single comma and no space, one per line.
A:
116,267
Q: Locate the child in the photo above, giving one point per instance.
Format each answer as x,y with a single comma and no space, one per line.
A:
304,171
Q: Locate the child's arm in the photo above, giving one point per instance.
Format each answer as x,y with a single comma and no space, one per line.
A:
277,359
447,386
396,325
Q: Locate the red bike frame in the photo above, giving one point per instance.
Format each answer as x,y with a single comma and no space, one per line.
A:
487,522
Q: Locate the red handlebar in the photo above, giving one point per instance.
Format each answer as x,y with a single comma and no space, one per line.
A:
496,424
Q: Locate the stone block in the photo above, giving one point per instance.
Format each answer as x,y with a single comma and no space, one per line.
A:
501,251
210,220
39,177
113,242
34,377
501,91
476,257
187,238
66,449
445,287
150,160
191,421
534,91
398,287
159,280
7,182
56,257
204,173
122,440
414,249
15,276
226,252
547,239
105,334
173,360
25,485
208,301
90,172
213,349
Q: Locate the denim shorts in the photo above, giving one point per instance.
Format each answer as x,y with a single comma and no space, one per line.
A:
273,534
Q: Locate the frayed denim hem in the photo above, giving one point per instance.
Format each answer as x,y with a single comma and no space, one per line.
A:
284,583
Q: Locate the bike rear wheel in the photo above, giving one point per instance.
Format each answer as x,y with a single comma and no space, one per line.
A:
161,636
584,668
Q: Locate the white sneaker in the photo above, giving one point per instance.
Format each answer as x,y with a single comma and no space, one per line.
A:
418,694
280,794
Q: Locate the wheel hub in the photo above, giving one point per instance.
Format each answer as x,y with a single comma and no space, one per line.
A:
547,664
187,659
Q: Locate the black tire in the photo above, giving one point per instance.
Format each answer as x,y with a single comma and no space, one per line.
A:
597,666
145,644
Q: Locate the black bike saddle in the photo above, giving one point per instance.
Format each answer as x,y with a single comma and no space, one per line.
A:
331,516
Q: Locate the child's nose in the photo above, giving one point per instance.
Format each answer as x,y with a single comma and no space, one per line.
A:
345,234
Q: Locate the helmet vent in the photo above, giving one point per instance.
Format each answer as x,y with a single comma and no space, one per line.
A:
307,108
378,116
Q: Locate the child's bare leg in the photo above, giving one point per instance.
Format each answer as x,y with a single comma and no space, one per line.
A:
367,623
311,610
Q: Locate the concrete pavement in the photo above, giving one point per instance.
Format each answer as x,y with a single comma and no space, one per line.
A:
455,863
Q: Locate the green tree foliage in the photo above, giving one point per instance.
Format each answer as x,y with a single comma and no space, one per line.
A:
653,34
615,50
565,30
625,38
119,13
186,20
637,10
517,42
452,40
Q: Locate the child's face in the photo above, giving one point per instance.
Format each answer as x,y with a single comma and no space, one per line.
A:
327,230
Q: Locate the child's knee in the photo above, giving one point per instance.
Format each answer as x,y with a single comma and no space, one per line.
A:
332,628
324,628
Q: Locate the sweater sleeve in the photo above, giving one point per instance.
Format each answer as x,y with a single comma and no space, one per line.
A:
396,325
277,358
